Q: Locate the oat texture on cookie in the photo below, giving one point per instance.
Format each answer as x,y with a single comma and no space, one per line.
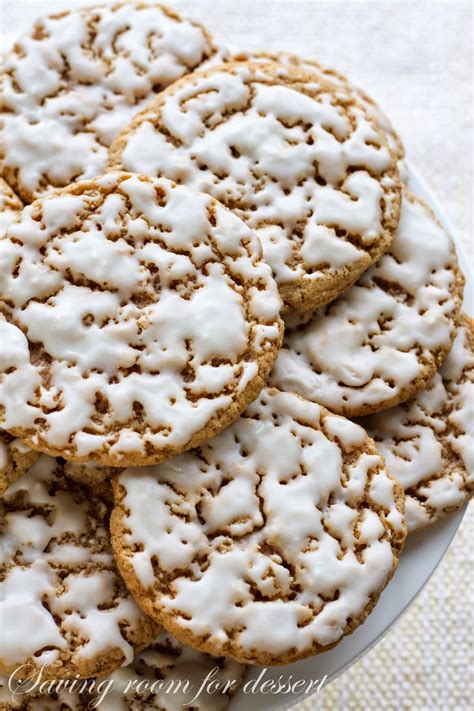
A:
76,79
63,605
428,442
382,341
140,320
168,675
269,542
299,160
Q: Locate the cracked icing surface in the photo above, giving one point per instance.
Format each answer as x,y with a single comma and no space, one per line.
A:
327,74
302,163
428,442
77,78
145,684
382,341
268,543
62,602
141,319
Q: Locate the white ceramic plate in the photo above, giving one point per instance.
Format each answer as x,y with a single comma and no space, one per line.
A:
421,554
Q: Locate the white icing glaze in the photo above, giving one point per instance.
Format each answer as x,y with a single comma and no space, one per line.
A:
427,442
61,596
76,79
297,163
373,343
146,293
257,530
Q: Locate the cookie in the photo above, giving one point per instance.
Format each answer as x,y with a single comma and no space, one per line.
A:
77,78
427,442
382,341
168,675
302,163
327,74
10,206
141,320
15,459
63,606
268,543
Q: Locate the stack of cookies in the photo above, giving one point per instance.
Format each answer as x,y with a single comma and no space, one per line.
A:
234,367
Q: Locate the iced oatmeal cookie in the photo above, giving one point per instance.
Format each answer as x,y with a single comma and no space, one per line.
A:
268,543
63,606
76,79
140,320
